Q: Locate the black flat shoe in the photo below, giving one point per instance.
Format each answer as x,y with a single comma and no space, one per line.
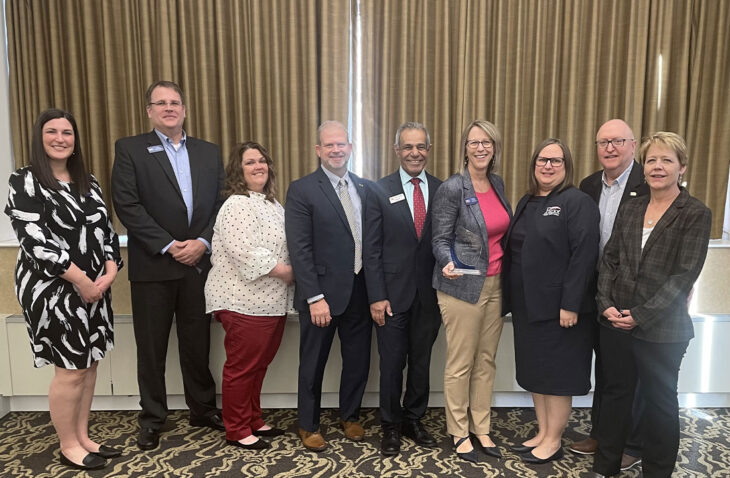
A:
530,458
521,448
257,445
465,455
272,432
108,452
148,439
489,450
90,462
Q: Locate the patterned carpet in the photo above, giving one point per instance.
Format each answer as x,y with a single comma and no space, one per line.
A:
29,448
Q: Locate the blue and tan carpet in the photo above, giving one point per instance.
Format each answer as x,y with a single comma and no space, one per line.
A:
29,448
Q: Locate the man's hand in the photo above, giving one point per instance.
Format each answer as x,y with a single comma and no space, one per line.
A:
187,252
320,312
379,309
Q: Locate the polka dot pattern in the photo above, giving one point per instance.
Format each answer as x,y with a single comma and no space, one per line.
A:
419,206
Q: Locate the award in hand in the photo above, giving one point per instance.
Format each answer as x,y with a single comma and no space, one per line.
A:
465,256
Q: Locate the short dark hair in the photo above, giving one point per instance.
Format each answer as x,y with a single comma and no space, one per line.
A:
567,164
235,182
39,161
163,84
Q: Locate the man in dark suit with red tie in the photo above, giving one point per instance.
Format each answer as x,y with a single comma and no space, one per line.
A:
398,268
166,188
620,180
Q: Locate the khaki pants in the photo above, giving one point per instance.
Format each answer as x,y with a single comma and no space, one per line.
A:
472,336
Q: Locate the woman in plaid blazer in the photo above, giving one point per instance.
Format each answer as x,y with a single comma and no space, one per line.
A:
649,266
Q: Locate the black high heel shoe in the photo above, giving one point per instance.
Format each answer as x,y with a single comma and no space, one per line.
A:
521,448
465,455
91,461
493,451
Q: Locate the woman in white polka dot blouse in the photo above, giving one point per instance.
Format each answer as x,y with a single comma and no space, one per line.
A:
249,289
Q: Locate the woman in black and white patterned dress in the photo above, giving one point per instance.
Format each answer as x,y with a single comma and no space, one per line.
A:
68,259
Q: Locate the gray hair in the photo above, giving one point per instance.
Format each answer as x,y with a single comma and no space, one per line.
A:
327,124
411,125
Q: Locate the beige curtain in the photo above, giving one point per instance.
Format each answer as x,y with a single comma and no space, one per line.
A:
548,68
268,71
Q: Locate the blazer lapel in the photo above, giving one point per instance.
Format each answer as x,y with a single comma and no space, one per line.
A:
474,208
164,162
194,168
329,192
667,218
635,179
404,211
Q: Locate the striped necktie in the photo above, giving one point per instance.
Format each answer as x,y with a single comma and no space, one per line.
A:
350,213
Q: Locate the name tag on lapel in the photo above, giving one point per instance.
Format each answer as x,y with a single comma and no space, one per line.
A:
470,201
155,149
632,193
397,198
552,211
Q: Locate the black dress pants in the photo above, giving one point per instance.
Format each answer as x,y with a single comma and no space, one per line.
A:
406,338
355,330
154,304
626,360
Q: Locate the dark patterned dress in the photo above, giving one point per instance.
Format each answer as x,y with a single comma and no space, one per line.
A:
55,229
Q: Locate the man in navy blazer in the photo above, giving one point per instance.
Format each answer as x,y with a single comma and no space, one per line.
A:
166,188
621,179
324,221
399,264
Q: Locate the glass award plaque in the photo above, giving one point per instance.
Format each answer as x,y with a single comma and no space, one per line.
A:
466,254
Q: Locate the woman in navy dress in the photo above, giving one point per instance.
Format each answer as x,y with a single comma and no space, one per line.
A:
68,259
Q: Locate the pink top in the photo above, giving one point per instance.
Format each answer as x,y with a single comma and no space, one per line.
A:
497,221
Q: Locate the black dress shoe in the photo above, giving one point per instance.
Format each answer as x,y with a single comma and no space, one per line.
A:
257,445
530,458
108,452
465,455
488,450
390,444
521,448
272,432
414,430
212,421
148,439
90,462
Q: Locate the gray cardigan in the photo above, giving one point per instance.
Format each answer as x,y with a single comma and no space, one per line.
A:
458,221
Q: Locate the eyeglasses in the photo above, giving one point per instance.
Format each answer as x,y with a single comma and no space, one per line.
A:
603,144
554,162
410,147
162,104
474,144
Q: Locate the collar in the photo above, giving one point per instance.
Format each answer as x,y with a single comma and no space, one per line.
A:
166,140
406,178
621,180
335,179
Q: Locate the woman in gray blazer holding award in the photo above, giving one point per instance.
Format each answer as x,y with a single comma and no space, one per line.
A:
649,265
470,217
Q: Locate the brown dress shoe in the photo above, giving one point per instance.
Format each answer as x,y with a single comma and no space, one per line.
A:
353,430
312,440
584,447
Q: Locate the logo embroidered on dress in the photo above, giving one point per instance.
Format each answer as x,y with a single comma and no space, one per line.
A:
552,211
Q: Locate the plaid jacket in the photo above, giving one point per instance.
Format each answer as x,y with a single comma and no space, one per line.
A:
654,283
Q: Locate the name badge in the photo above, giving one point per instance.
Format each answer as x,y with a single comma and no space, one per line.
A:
155,149
632,193
552,211
397,198
470,201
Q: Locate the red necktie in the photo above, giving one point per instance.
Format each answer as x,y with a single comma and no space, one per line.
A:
419,207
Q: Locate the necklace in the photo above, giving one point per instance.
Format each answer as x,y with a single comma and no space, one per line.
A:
650,221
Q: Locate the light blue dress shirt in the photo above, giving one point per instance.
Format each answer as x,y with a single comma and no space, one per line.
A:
609,203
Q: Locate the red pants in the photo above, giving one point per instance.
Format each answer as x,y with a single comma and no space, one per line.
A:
251,343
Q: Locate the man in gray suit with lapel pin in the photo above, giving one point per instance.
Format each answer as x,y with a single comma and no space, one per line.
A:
398,269
166,188
323,221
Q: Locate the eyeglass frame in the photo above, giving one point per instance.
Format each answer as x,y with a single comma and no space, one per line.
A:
164,104
474,144
615,142
542,162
